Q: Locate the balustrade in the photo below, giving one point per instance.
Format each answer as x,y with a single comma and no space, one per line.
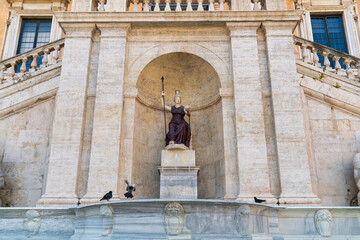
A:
37,58
100,5
184,5
181,5
333,61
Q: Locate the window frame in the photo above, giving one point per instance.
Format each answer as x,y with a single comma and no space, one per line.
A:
11,40
353,44
325,16
21,32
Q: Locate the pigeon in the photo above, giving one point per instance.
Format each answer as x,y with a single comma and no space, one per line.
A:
259,200
78,203
129,189
107,196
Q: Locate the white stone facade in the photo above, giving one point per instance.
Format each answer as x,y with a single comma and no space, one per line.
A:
264,123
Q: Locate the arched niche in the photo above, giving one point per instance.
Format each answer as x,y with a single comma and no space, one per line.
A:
199,85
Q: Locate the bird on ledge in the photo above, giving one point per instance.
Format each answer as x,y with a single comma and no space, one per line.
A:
129,190
257,200
107,196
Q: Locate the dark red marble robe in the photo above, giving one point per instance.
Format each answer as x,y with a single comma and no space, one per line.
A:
179,129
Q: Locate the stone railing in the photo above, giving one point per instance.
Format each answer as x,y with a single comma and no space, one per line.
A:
342,64
186,5
36,59
181,5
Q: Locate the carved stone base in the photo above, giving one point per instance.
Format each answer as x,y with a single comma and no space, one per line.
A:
178,174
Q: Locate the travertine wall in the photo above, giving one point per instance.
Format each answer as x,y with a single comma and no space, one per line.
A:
208,143
239,79
24,152
149,139
333,133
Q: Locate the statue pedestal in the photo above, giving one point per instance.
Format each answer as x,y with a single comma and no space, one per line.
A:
178,174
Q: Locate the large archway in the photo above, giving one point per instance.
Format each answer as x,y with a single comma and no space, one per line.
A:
199,85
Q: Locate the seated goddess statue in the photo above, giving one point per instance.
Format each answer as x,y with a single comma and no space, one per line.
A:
179,129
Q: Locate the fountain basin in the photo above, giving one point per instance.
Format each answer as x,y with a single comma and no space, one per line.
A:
176,219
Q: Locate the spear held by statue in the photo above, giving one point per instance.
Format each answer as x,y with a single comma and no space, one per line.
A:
163,96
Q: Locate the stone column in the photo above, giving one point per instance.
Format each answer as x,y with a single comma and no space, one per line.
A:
127,138
229,132
293,160
105,144
250,129
68,126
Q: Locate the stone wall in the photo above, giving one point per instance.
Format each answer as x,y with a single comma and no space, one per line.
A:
208,143
24,151
333,133
149,139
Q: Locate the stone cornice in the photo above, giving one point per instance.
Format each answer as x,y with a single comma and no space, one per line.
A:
176,17
345,97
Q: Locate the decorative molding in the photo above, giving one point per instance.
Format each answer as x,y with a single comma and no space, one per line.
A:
107,215
242,220
174,218
32,223
323,222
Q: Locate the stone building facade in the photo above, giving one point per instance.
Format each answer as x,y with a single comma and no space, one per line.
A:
274,114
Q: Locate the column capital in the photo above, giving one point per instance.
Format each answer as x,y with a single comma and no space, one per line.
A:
279,28
243,29
113,30
78,30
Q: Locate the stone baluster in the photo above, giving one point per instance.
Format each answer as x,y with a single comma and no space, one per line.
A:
178,6
200,5
167,6
2,70
262,5
45,59
102,6
12,70
358,69
256,5
55,54
305,53
23,66
188,6
315,57
337,64
157,7
349,72
221,8
135,6
34,63
211,5
326,61
146,7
